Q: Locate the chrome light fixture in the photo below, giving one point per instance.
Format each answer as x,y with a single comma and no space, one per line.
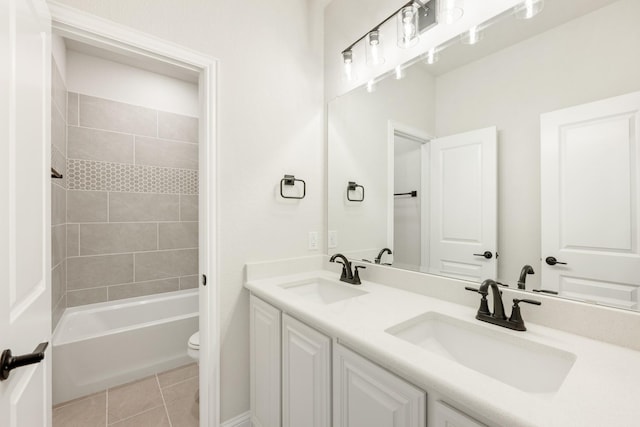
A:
408,26
374,48
413,19
529,8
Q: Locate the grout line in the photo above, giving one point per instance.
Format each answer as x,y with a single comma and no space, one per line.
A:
147,221
135,415
78,109
164,403
113,285
157,124
135,253
157,236
106,407
108,206
179,141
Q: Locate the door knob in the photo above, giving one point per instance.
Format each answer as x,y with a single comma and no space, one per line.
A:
8,362
551,260
485,254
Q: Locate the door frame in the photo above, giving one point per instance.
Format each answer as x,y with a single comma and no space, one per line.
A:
101,33
396,128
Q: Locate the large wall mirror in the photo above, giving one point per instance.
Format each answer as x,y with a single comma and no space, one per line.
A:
520,150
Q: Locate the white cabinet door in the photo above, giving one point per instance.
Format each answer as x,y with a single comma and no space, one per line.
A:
365,395
25,222
306,375
464,205
446,416
264,338
590,194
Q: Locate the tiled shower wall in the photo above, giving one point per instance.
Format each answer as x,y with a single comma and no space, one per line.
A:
132,201
58,194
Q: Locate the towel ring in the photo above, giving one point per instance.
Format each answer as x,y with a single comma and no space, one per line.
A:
291,180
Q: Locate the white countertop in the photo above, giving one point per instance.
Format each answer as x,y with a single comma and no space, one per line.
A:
601,389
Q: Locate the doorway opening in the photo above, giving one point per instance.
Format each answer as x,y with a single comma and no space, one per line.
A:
138,158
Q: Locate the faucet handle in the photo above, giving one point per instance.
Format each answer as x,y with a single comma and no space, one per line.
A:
516,316
483,293
343,275
516,301
484,304
356,275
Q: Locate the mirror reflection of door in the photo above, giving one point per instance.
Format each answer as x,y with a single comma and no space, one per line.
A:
445,204
463,231
590,191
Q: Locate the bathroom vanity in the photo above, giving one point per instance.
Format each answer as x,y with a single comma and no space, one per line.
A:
326,353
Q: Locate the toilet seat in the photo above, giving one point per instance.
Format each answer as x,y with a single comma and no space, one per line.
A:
194,341
193,346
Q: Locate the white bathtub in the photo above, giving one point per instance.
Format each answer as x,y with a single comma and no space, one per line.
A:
103,345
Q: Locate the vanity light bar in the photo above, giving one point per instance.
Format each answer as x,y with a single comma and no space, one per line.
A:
432,55
414,18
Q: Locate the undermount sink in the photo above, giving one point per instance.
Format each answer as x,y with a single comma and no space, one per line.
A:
323,291
518,362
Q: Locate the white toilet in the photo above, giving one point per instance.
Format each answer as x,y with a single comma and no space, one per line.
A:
193,346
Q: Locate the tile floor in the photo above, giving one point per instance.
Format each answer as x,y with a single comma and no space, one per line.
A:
165,399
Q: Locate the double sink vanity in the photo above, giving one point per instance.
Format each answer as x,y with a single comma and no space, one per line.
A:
329,353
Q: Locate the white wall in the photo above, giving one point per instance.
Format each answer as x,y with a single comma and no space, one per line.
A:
270,115
357,135
59,53
590,58
91,75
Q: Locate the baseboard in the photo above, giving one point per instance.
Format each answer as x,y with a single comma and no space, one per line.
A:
242,420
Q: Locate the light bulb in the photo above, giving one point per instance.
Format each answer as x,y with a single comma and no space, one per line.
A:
399,72
371,86
449,11
347,59
432,56
529,8
472,36
374,51
408,26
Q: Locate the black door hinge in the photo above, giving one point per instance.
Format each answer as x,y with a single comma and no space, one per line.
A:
204,280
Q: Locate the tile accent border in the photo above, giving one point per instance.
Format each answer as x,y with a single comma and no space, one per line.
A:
93,175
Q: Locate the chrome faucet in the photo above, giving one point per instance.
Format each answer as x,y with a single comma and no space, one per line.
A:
378,259
347,276
498,317
527,269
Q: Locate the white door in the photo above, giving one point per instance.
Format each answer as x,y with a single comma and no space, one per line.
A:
463,228
25,300
590,197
